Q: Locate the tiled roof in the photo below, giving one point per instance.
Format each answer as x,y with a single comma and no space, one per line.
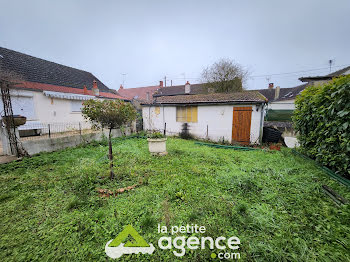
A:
33,69
285,93
238,97
194,90
64,89
180,90
139,93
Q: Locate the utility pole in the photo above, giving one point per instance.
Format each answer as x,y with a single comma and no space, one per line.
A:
171,82
164,81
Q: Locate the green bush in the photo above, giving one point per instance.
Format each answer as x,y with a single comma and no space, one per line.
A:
279,115
322,118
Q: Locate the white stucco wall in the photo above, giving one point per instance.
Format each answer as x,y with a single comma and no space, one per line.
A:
282,105
37,107
218,119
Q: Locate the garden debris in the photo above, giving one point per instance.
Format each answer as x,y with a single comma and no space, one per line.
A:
275,147
339,200
107,193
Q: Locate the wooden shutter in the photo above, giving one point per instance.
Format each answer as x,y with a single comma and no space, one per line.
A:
194,114
241,123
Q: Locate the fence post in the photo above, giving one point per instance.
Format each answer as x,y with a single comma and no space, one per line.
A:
79,128
164,129
49,131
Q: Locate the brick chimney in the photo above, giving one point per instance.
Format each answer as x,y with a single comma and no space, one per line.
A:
85,90
270,85
95,89
187,88
121,87
277,92
160,84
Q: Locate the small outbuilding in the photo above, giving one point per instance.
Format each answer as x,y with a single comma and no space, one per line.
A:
230,117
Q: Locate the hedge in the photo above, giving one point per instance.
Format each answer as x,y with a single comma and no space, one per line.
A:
322,119
279,115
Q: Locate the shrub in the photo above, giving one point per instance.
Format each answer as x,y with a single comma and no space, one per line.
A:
155,135
322,118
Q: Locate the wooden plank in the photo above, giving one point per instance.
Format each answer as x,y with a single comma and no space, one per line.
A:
241,124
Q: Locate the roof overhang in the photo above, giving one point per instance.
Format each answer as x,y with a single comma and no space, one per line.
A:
69,96
315,78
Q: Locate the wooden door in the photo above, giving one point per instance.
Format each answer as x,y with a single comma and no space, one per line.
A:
242,117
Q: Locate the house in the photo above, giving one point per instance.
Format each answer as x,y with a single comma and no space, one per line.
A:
195,89
282,100
142,94
49,92
318,80
233,117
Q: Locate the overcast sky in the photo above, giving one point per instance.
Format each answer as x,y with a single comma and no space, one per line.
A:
151,39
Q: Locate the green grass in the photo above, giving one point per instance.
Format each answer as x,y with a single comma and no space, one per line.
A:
272,201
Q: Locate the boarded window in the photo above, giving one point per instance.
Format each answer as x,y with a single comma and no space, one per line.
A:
157,110
186,114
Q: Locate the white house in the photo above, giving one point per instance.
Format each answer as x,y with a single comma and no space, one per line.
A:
47,92
233,117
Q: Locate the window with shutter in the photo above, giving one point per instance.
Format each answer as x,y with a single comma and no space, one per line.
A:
188,114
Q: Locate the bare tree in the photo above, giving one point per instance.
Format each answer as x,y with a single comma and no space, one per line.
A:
225,75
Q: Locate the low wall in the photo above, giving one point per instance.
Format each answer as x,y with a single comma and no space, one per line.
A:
53,144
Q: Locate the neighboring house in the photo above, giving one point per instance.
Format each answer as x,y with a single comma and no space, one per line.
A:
49,92
234,117
282,100
142,94
318,80
195,89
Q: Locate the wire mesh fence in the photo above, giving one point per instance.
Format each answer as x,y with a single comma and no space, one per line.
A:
40,130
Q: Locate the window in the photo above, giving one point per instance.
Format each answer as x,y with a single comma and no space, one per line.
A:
157,110
186,114
76,105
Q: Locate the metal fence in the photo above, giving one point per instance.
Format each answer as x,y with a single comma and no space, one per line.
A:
38,130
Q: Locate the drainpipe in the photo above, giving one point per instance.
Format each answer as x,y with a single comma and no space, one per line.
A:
261,123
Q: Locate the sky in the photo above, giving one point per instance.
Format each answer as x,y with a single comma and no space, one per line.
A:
141,42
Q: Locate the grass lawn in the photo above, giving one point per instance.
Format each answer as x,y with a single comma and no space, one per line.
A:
272,201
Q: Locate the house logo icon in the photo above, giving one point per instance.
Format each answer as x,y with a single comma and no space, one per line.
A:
115,248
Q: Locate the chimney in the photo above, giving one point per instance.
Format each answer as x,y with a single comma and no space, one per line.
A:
121,87
147,96
187,88
270,85
160,84
85,90
277,92
95,90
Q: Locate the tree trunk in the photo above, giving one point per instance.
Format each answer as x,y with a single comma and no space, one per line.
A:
110,154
